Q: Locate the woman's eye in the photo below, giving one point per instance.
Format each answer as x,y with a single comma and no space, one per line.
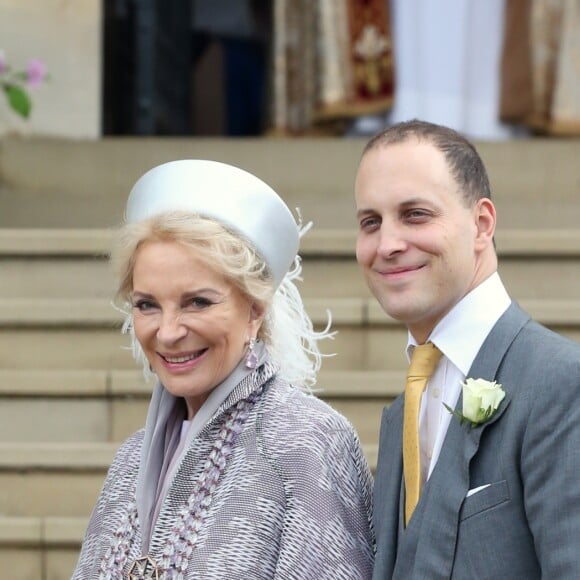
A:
200,302
144,305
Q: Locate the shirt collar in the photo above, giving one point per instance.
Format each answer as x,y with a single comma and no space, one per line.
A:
461,332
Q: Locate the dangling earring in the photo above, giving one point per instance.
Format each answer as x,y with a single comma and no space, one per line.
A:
251,358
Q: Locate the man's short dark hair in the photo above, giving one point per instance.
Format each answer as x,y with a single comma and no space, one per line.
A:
462,158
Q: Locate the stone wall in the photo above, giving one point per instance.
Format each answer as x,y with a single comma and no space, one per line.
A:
67,36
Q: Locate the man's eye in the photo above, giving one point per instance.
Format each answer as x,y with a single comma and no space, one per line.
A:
417,214
369,223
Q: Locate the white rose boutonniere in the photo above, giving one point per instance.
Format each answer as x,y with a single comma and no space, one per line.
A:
481,399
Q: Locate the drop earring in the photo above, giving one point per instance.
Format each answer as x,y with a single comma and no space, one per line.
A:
251,358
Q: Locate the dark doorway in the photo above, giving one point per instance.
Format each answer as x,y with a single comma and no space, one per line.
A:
182,68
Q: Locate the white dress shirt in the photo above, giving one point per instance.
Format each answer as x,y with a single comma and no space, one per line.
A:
459,336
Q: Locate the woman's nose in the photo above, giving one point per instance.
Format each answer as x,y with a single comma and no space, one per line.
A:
171,328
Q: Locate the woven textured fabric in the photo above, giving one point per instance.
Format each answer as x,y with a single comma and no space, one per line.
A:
293,501
423,362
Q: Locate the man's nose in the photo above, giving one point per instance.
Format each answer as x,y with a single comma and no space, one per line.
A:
391,241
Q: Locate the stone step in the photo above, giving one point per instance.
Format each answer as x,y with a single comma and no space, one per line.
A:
530,177
73,264
69,334
355,347
98,313
326,241
118,383
52,479
102,406
58,313
63,479
57,333
33,548
524,277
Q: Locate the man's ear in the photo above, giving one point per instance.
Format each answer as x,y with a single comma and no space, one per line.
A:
485,221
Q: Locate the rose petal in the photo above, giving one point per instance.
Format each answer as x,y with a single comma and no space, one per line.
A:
480,399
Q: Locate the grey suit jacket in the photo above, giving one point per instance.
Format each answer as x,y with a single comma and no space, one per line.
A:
526,523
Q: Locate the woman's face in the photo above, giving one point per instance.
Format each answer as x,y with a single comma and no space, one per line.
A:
192,323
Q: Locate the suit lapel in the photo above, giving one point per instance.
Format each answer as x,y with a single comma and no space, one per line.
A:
486,366
443,496
488,361
493,350
388,489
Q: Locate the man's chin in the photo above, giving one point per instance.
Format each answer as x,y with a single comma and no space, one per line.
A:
399,314
399,310
411,317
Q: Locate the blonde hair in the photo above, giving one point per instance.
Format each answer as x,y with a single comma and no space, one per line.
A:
287,330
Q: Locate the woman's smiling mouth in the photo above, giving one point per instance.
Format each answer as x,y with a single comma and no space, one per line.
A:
183,358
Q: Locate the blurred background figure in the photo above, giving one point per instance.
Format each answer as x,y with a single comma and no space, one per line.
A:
492,70
230,46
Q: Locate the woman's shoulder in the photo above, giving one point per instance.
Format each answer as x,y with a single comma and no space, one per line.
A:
301,434
129,452
289,409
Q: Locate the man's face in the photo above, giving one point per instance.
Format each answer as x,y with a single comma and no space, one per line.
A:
417,237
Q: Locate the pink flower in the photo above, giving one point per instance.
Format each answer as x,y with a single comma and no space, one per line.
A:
2,62
35,72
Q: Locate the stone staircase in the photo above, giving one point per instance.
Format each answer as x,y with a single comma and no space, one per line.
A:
69,390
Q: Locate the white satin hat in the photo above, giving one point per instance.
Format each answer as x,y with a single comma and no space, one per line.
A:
232,196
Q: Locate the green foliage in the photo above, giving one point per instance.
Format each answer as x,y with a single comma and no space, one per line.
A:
17,84
18,99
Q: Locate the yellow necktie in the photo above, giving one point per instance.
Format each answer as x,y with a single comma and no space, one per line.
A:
423,361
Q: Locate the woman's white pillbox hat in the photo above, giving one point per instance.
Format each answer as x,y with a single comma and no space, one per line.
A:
237,199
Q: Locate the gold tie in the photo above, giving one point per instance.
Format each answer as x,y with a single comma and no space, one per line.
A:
423,361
